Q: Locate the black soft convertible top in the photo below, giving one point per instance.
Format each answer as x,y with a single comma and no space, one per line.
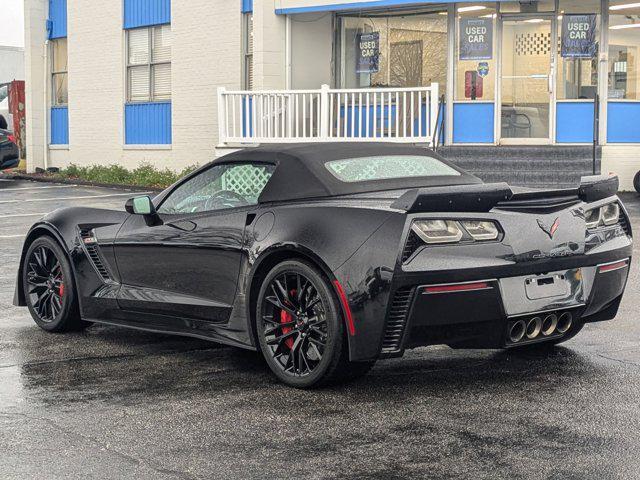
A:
300,172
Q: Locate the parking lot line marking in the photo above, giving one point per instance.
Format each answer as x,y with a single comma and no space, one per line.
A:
35,188
85,197
16,215
13,236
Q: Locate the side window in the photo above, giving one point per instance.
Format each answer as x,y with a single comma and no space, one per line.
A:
218,188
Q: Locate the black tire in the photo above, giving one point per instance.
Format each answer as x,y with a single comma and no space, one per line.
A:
305,346
49,288
636,182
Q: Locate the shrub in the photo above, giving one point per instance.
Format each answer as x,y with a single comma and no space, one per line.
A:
145,175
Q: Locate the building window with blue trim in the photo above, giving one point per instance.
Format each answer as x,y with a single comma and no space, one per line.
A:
578,56
624,73
247,50
59,73
148,108
59,92
624,51
149,64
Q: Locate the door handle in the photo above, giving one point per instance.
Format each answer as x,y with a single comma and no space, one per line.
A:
184,225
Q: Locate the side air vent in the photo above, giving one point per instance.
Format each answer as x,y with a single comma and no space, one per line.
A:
91,247
624,223
397,320
412,244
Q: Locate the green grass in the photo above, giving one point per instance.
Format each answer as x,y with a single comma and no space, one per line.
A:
144,176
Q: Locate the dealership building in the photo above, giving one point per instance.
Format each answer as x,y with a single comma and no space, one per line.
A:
533,92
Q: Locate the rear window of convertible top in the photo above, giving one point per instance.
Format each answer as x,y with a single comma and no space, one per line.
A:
384,167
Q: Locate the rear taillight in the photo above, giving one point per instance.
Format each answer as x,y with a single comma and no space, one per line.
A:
604,216
11,138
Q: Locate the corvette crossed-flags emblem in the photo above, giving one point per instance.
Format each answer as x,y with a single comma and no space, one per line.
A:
549,230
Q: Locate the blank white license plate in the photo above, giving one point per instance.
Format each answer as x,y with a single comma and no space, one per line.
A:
550,286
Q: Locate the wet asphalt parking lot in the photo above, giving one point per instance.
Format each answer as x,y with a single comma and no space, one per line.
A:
116,403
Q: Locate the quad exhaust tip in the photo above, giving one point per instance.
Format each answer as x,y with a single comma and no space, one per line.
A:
534,327
540,326
549,324
564,322
517,331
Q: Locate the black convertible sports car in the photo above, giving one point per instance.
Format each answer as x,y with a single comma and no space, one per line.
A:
326,257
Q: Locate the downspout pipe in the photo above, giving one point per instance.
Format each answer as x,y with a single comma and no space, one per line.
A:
45,100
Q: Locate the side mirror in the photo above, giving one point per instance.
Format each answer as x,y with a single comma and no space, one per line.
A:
140,206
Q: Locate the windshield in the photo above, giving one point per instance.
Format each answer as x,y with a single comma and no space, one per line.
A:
384,167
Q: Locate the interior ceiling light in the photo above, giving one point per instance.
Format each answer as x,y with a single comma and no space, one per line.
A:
472,8
622,27
535,20
624,6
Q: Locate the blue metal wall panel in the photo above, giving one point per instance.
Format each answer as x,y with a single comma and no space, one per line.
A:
247,6
147,123
57,24
59,126
473,123
574,122
623,122
362,5
142,13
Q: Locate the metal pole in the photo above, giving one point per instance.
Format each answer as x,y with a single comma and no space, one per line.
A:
596,131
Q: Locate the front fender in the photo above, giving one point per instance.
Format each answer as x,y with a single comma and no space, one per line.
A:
38,229
62,225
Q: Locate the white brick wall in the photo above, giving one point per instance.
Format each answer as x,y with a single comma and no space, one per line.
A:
206,53
624,161
268,46
35,13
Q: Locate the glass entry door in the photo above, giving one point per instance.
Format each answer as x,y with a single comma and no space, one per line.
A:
526,83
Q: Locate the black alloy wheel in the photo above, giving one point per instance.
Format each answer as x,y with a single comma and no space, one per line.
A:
294,321
48,287
45,283
300,327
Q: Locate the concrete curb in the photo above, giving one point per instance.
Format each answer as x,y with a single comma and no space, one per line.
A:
85,183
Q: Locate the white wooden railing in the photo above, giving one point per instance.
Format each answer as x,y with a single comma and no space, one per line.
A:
374,114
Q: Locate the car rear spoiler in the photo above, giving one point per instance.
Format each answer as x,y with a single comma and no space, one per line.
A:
484,197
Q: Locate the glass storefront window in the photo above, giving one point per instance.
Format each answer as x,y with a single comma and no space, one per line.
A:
534,6
475,68
577,76
407,49
624,51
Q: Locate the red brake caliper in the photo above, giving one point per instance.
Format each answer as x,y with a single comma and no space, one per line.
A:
286,317
61,288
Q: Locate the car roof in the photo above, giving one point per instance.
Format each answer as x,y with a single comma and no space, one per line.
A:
301,173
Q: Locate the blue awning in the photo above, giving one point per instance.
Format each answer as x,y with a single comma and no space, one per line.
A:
293,7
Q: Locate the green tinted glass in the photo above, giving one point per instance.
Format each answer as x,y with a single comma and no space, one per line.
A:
142,205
